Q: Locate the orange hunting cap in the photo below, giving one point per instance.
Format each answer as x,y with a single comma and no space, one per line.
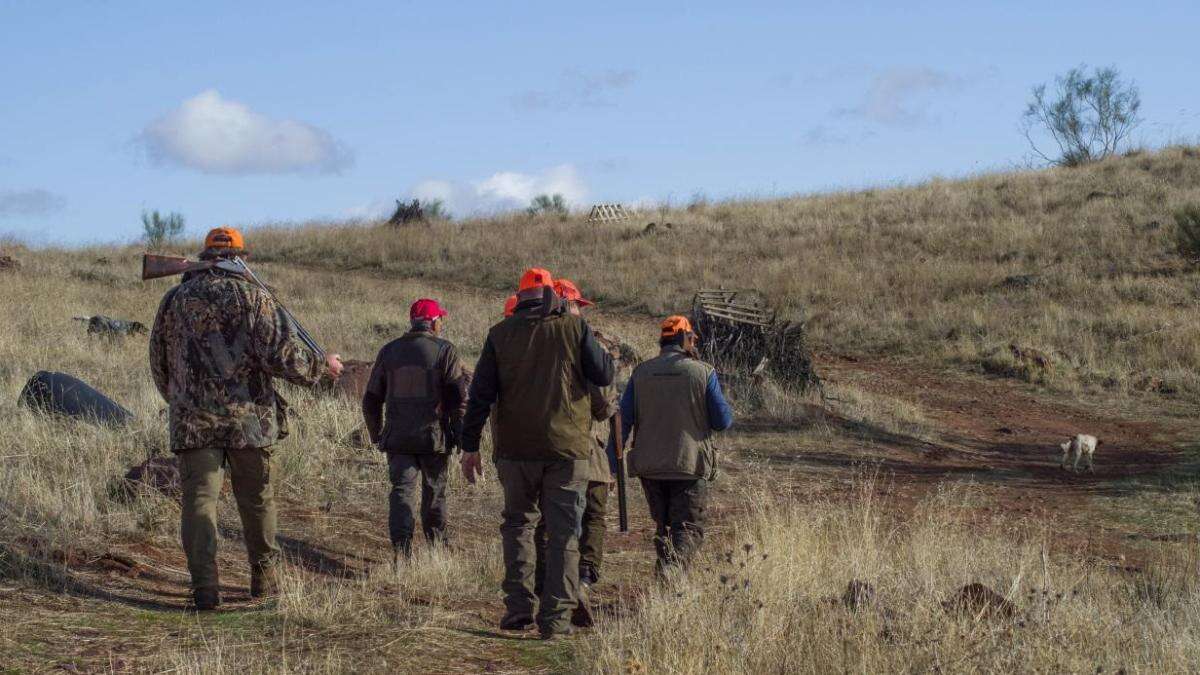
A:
224,238
674,325
567,290
510,305
535,277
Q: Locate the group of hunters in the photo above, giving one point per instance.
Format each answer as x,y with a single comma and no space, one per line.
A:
545,380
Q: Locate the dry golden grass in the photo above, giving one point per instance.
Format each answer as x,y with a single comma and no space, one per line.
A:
770,600
915,270
911,272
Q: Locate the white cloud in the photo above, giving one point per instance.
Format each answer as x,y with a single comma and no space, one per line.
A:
216,135
901,96
30,203
504,191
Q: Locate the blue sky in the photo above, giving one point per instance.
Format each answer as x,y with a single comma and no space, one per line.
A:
248,113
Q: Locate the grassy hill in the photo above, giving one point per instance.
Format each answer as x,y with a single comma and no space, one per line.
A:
931,464
932,271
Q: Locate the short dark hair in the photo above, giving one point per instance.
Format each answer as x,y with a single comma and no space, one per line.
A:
676,340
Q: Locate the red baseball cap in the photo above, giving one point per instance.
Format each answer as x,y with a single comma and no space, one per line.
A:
510,305
425,310
567,290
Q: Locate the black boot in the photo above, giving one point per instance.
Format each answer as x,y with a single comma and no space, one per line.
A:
206,599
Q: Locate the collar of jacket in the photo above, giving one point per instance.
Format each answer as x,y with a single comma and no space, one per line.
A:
420,329
673,349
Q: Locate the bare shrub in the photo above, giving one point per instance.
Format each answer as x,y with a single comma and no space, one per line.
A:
1087,117
551,205
1187,233
159,230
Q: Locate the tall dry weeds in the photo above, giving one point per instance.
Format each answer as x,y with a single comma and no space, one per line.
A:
773,598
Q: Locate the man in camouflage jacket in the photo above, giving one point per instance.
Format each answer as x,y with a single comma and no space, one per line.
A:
217,342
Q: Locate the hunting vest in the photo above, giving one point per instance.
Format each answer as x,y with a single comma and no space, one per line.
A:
672,435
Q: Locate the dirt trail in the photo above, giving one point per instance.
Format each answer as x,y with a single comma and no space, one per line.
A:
1002,427
995,432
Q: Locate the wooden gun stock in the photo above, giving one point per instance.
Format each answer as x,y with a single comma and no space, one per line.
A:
159,266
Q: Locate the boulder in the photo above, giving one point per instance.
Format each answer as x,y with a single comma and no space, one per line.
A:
979,600
160,473
62,394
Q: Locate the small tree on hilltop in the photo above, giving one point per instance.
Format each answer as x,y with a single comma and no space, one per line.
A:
160,230
547,204
416,211
1187,233
435,209
1086,116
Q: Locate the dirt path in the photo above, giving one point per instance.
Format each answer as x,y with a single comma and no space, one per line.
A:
994,432
1012,430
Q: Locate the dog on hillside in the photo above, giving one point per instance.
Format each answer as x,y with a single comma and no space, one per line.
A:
1081,446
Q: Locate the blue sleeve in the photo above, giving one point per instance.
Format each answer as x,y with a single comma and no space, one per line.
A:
720,415
628,419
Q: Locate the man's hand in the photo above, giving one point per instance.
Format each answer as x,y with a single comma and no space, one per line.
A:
333,363
472,467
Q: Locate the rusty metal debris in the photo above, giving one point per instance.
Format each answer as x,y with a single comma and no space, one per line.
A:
741,335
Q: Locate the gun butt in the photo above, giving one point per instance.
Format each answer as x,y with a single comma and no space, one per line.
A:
158,266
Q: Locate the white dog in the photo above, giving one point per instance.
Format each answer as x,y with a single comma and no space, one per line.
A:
1081,446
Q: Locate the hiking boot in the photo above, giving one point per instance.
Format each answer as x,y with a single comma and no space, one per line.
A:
555,634
581,616
264,583
520,622
206,599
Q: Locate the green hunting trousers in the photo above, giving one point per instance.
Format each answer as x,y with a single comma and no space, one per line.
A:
591,537
201,477
533,490
677,507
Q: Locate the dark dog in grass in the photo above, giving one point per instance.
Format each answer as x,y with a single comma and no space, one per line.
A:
106,326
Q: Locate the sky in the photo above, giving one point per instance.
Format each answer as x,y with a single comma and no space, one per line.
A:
250,113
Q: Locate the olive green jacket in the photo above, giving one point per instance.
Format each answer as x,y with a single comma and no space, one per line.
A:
535,368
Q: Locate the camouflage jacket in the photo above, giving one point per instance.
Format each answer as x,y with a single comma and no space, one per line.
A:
216,343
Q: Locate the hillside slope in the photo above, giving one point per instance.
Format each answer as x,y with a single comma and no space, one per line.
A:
912,474
1075,264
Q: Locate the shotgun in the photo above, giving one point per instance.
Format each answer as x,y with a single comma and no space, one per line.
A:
619,448
158,266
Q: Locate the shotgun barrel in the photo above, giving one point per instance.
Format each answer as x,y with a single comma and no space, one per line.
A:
619,447
158,266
